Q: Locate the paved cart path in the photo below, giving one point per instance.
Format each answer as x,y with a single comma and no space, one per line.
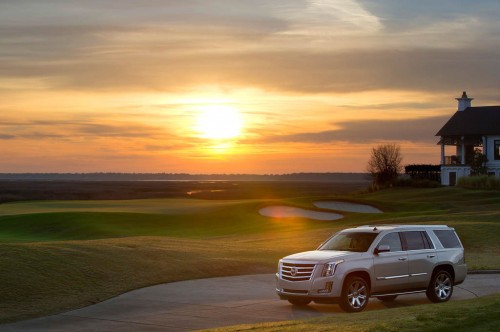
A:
206,303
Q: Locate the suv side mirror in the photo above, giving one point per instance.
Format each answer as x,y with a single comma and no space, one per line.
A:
382,248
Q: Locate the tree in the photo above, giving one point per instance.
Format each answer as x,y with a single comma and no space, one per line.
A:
477,165
385,163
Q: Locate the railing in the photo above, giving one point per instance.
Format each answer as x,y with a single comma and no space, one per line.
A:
451,160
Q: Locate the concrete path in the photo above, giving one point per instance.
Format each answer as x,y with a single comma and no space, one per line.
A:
207,303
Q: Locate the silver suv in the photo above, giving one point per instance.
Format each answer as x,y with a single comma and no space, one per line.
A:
375,261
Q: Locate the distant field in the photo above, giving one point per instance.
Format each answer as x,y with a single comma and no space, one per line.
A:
25,190
60,255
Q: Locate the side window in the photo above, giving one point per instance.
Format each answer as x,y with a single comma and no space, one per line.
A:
393,241
427,241
416,240
448,239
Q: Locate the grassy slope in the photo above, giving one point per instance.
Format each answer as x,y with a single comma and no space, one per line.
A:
55,261
64,258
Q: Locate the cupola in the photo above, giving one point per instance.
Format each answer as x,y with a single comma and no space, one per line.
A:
464,102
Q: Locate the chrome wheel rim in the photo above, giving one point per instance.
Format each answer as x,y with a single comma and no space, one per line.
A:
442,287
357,295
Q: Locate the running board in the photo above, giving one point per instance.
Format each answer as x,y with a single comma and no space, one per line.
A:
399,293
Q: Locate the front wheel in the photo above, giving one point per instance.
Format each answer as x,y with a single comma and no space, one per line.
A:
355,294
299,302
441,287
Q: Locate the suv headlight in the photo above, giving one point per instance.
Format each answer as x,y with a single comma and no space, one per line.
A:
329,268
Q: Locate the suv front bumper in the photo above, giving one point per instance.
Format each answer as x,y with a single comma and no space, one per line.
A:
322,289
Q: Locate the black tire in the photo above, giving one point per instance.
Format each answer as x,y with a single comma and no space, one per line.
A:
355,294
387,298
299,302
441,287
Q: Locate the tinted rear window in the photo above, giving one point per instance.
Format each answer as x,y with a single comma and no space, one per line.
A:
415,240
448,239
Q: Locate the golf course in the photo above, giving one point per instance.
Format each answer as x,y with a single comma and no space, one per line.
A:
58,255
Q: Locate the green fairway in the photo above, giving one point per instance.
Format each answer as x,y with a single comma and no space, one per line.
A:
59,221
155,206
60,255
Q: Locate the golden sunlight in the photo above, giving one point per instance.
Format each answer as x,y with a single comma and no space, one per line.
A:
219,122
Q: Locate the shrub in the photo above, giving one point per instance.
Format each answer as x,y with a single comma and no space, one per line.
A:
416,183
479,182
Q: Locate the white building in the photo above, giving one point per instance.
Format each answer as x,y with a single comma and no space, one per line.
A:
468,129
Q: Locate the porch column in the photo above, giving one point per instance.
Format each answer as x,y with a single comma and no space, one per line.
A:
485,145
485,148
463,150
442,152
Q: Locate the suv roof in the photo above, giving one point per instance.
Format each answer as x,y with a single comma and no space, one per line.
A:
383,227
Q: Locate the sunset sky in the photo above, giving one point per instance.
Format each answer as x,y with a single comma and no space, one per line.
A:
236,86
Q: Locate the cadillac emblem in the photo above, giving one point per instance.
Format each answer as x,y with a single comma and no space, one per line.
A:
293,271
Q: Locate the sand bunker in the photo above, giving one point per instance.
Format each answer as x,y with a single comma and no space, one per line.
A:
345,206
281,211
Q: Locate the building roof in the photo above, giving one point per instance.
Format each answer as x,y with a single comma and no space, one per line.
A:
473,121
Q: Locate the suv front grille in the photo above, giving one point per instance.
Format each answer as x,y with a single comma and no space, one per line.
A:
296,272
295,291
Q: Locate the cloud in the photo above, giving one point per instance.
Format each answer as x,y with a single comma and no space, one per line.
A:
71,130
300,71
370,131
297,45
325,18
127,12
400,15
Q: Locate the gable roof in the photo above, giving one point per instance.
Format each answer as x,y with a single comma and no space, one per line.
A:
473,121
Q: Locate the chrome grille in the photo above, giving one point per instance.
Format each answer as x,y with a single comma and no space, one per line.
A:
296,272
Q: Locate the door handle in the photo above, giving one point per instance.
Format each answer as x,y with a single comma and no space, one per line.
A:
431,256
402,258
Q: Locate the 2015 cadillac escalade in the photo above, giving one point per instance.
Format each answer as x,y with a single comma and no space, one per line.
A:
375,261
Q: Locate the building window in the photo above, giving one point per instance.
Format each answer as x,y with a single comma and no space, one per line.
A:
497,150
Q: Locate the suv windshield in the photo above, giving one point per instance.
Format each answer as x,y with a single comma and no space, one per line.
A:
349,241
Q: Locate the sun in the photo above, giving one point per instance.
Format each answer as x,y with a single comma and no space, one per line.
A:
219,122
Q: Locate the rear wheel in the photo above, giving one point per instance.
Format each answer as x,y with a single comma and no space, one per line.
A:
387,298
441,287
355,294
299,302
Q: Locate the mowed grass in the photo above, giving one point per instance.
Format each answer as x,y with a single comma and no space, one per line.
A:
477,315
59,255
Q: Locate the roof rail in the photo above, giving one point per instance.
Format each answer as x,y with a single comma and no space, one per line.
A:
400,225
